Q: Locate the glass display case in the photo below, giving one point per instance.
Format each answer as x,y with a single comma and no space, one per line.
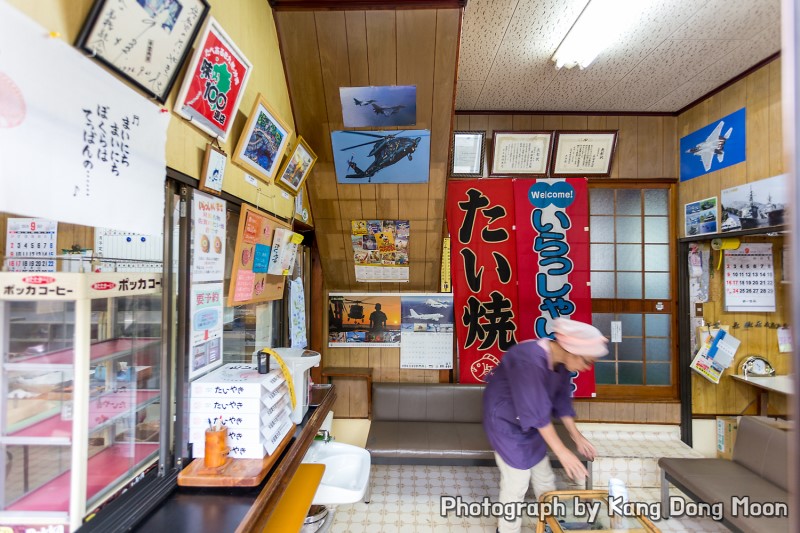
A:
79,391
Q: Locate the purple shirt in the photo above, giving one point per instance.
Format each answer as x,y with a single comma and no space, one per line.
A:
522,394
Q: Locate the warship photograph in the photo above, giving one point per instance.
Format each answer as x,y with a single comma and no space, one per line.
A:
754,205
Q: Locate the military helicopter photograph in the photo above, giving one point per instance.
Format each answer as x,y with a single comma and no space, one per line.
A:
389,157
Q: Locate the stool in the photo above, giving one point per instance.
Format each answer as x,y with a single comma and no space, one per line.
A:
352,372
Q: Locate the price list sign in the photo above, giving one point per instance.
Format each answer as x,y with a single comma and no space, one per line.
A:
750,278
31,245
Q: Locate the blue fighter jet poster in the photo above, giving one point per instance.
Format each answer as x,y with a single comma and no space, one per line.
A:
362,157
716,146
379,107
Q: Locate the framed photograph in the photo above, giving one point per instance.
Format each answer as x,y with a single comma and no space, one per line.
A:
263,143
143,41
213,170
214,83
466,154
583,153
297,168
521,153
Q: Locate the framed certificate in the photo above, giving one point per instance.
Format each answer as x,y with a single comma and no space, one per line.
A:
520,153
466,154
583,153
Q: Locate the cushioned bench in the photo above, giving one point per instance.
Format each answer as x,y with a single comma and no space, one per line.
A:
758,471
436,423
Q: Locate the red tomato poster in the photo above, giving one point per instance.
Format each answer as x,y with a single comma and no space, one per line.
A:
214,82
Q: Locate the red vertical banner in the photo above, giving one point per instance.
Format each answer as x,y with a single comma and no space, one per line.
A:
480,216
552,221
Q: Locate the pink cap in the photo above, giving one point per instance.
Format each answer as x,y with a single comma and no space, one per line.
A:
580,339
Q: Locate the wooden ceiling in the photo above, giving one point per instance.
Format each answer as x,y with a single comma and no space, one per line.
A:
324,49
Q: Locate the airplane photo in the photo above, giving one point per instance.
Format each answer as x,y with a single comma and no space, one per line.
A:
436,303
713,145
387,111
362,102
428,316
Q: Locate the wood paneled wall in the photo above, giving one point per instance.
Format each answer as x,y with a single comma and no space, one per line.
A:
646,145
760,94
327,49
324,50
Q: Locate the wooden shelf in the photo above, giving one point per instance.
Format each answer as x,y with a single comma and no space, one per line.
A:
235,473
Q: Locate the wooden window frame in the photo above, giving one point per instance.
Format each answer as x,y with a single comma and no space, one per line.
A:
642,305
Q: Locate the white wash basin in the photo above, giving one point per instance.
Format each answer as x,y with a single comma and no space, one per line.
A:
346,472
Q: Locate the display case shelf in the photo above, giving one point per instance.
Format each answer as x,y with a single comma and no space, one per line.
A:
79,388
56,427
99,352
104,469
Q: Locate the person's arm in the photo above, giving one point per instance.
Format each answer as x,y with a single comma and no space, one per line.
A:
572,465
582,443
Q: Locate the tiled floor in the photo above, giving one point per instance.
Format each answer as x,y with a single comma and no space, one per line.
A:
406,499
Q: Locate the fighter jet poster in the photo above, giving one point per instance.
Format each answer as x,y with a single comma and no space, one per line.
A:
716,146
362,157
379,107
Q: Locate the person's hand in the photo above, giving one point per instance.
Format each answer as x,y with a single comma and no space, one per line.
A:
584,446
573,466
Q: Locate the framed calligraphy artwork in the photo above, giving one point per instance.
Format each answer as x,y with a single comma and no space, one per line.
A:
214,83
145,42
520,153
583,153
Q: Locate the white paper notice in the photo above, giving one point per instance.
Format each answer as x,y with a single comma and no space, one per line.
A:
784,340
750,278
76,144
208,252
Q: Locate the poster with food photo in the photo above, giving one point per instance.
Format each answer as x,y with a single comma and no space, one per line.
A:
250,281
208,254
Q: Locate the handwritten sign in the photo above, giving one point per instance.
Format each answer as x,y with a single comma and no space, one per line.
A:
91,153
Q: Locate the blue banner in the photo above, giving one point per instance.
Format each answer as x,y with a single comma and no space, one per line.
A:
716,146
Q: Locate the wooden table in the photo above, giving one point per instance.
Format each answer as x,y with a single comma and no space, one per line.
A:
765,385
352,372
603,522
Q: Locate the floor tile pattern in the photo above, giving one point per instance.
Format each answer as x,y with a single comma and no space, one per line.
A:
406,499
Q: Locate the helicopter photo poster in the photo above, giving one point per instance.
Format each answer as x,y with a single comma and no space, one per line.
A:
363,320
381,156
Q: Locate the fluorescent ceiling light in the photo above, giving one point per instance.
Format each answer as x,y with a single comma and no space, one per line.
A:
600,24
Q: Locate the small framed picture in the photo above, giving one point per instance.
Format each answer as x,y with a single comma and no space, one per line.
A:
467,153
213,170
263,143
297,168
520,153
144,42
214,82
583,153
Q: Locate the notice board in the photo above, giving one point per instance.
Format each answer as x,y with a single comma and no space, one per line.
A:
250,282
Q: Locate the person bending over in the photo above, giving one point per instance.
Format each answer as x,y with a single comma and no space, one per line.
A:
529,388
